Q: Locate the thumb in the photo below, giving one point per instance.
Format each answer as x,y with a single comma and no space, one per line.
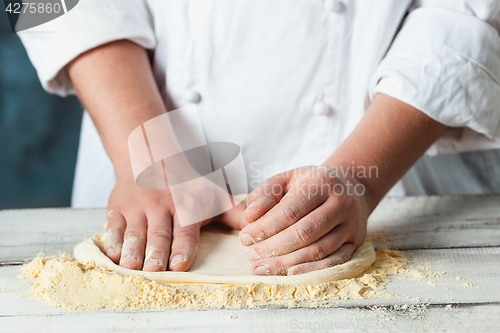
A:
233,217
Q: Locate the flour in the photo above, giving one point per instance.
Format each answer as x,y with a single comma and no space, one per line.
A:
63,282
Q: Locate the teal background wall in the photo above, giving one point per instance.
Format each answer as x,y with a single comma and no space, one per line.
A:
38,132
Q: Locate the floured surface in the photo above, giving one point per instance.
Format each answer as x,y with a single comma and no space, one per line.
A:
221,259
63,282
469,225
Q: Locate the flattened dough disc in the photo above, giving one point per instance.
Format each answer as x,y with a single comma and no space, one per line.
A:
221,259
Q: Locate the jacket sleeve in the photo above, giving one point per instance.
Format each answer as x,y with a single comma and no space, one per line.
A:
445,61
51,46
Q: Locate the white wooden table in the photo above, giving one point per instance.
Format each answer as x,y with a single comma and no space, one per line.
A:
458,235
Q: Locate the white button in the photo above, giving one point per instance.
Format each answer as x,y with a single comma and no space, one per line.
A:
333,6
321,108
192,96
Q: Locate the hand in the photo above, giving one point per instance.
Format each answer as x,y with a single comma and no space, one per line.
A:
142,230
304,220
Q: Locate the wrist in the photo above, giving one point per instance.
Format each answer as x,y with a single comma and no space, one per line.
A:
122,168
359,180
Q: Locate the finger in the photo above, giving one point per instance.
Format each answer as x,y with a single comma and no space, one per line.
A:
112,239
309,229
266,196
340,256
317,251
301,199
158,242
184,245
134,241
289,211
233,217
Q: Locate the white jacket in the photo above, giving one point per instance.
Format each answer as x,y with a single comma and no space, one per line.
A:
287,80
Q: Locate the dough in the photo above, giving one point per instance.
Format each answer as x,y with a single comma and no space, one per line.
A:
61,281
221,259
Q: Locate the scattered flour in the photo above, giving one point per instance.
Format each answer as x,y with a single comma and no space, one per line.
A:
63,282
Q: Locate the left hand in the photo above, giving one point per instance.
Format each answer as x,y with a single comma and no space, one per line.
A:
143,230
303,220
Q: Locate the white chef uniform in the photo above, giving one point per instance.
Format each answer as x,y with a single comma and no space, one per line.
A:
287,80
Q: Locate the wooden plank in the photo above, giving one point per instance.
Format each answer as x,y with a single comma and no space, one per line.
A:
433,319
446,207
438,221
412,222
478,266
24,233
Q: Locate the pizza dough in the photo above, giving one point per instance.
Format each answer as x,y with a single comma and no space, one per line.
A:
61,281
221,259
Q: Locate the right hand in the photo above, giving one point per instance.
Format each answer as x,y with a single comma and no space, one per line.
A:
142,230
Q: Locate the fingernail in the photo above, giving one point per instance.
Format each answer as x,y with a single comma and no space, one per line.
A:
253,204
252,255
112,252
151,263
128,258
176,260
246,239
261,270
105,236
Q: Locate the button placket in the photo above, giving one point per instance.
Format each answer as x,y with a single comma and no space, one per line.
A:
332,93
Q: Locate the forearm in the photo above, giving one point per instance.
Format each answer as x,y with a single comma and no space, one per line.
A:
115,84
390,138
